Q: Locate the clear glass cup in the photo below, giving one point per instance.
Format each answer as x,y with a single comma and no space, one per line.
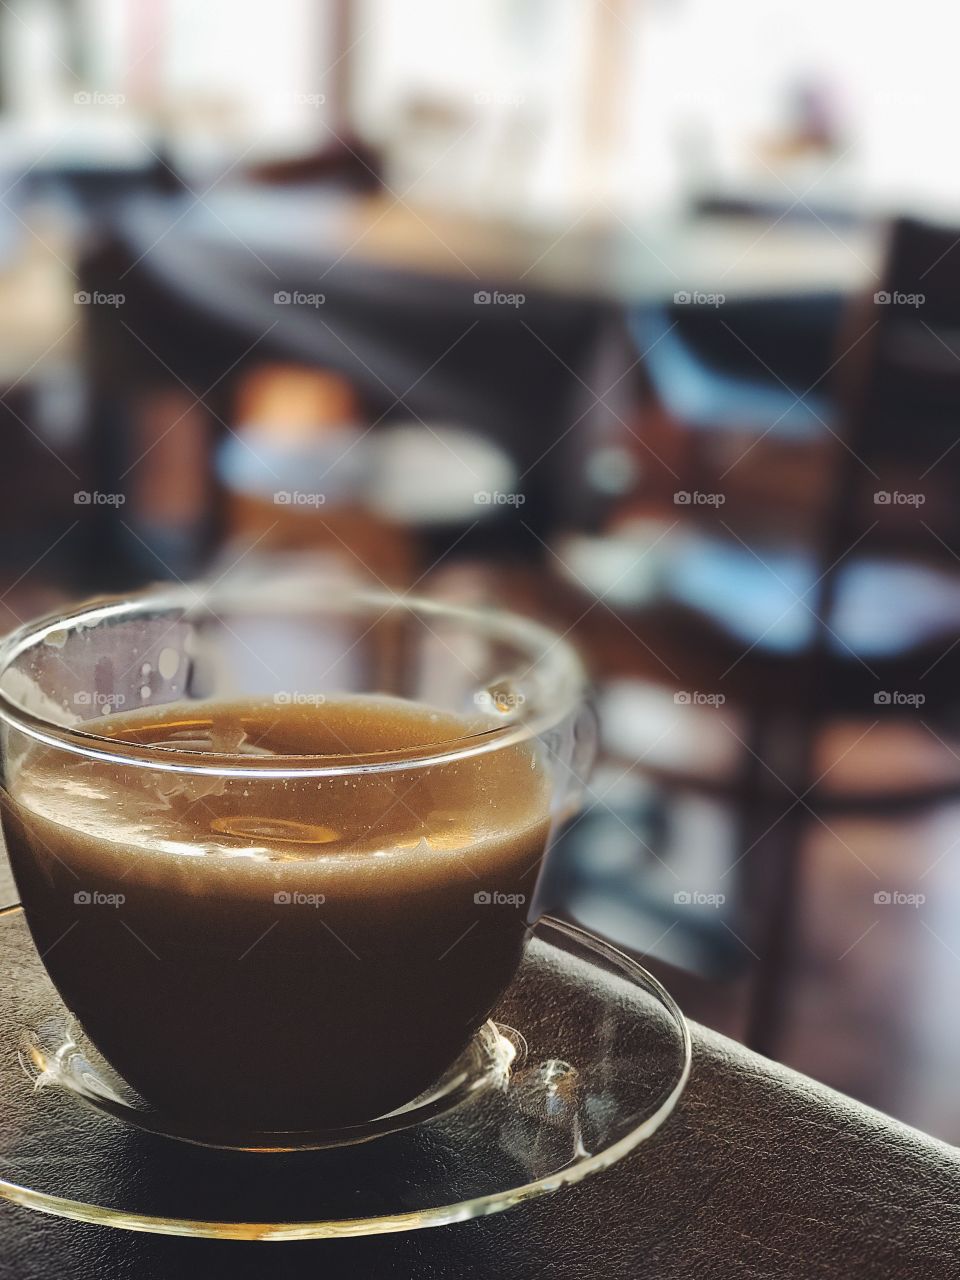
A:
273,942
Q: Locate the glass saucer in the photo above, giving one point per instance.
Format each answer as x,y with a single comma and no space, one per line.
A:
585,1057
57,1054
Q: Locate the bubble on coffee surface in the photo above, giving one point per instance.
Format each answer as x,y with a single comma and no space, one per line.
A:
439,841
501,699
445,831
168,663
283,830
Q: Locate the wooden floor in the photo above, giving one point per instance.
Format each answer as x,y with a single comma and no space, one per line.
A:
874,998
878,986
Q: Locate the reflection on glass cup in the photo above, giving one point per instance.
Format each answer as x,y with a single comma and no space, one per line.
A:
279,848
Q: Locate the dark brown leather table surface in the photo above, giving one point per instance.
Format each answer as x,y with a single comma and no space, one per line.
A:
761,1173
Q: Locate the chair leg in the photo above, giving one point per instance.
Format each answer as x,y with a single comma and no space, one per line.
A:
774,827
769,1003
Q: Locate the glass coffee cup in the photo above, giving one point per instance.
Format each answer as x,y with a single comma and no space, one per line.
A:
278,847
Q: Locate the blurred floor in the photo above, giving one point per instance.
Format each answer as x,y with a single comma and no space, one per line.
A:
876,987
873,990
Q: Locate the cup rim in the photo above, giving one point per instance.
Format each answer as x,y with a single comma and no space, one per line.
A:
565,668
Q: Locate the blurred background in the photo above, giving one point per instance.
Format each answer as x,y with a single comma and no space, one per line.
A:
639,316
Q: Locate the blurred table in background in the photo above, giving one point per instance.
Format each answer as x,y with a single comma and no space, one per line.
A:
514,332
740,256
604,257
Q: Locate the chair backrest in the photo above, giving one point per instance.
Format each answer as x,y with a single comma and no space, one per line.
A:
899,383
897,454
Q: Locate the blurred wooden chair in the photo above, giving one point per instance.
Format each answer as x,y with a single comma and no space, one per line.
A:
744,384
874,589
293,475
